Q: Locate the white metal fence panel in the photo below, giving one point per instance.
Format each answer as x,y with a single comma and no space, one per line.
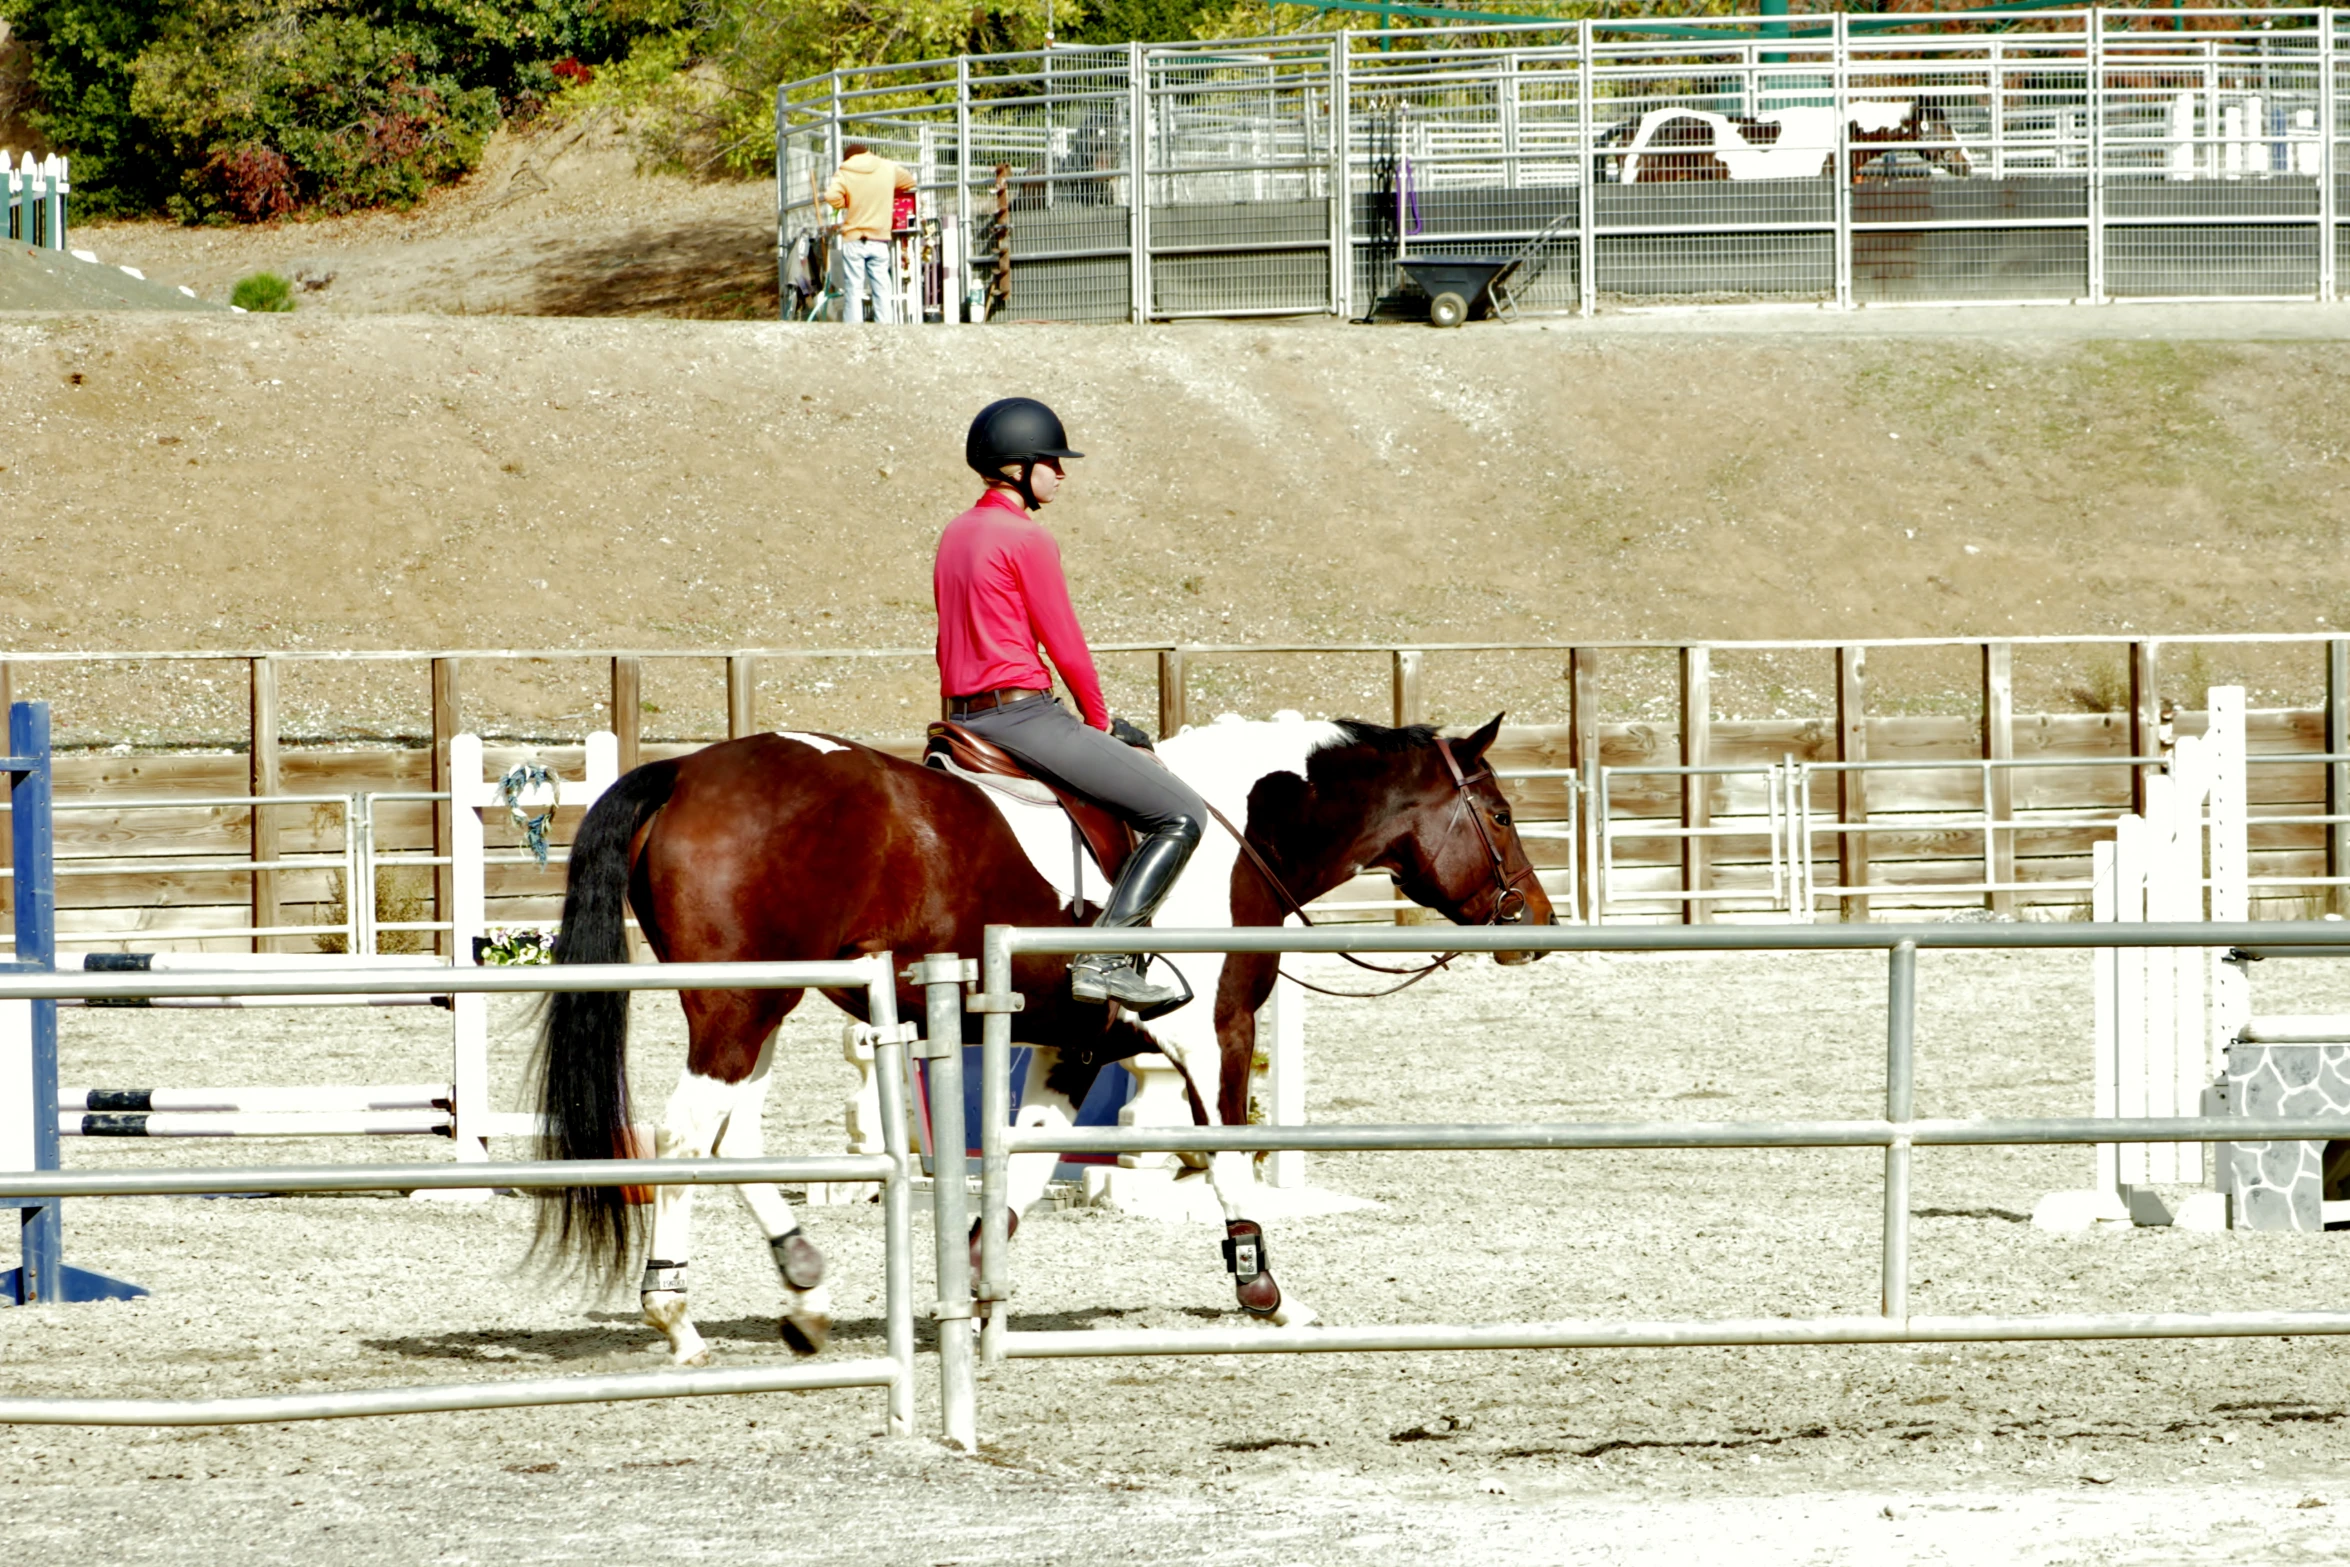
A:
1849,160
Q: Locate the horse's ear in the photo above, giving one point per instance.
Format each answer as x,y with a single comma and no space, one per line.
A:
1471,747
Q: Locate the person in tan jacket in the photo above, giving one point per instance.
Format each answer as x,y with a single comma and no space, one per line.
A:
865,189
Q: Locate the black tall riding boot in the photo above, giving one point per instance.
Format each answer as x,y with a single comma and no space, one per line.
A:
1143,884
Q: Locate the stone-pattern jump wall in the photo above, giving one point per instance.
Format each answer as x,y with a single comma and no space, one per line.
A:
2281,1186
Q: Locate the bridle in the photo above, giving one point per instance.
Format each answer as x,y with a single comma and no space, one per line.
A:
1509,894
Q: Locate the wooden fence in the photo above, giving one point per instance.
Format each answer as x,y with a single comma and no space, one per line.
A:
1684,846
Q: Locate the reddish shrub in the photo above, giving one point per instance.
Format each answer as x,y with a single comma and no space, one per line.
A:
570,70
256,182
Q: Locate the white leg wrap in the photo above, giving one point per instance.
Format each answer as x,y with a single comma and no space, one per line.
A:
690,1129
1028,1173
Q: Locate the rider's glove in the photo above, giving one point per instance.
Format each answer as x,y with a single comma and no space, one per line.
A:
1120,729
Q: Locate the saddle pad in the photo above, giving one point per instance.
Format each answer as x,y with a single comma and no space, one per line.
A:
1028,791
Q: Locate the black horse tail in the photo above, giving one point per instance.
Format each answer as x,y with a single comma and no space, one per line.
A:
583,1038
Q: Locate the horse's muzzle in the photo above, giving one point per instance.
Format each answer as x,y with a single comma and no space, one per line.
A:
1511,910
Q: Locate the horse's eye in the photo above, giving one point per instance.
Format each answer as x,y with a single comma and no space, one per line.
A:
1501,818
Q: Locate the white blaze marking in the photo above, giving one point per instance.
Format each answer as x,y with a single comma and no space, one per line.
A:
816,742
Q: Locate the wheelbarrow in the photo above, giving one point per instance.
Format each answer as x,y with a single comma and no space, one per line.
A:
1457,286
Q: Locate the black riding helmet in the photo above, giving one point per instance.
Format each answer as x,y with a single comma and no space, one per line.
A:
1015,430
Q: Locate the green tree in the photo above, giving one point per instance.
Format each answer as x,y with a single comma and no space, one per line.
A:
1145,21
718,111
82,54
256,108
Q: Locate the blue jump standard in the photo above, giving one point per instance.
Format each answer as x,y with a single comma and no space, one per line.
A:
44,1277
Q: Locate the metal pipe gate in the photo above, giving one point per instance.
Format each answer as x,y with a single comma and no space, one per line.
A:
1899,1132
2090,154
23,987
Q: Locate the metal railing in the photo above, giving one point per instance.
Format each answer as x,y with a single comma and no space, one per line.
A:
2085,154
348,861
1899,1133
873,975
1792,830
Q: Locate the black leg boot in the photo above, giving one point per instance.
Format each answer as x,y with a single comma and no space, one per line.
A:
1142,886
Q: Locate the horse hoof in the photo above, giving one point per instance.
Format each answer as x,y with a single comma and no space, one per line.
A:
1260,1296
700,1357
1011,1228
807,1335
1295,1314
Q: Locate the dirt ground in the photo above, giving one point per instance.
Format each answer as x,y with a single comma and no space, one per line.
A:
381,469
555,222
2029,1453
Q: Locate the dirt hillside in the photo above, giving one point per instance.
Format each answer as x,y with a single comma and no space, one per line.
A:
247,481
32,278
556,222
384,468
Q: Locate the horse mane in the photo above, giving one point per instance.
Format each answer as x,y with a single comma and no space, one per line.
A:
1379,737
1357,736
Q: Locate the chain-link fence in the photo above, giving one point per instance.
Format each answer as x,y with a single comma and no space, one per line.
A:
2083,155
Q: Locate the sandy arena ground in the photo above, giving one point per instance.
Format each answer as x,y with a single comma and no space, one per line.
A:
2088,1453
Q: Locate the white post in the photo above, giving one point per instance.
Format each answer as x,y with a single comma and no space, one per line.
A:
602,769
2327,283
2105,1025
19,1107
470,793
2231,867
469,917
1282,1025
2176,893
1586,199
2130,994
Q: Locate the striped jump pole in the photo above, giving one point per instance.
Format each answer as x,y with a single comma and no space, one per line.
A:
392,1110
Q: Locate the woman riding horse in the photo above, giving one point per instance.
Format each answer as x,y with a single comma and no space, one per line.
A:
795,846
1000,594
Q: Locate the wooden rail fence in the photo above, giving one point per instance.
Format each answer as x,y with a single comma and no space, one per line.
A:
1894,838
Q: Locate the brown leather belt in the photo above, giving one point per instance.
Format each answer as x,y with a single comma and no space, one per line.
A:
988,701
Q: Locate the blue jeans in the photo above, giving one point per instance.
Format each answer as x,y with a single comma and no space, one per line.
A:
868,272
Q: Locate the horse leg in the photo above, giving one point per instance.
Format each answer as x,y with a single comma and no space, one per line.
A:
690,1129
1027,1174
807,1303
1220,1078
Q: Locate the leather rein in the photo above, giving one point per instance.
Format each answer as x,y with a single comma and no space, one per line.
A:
1509,898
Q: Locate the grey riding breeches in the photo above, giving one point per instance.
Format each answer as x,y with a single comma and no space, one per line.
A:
1054,743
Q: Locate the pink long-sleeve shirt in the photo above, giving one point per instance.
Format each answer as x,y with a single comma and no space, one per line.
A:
1000,592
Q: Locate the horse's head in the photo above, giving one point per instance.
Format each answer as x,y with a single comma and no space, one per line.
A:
1454,846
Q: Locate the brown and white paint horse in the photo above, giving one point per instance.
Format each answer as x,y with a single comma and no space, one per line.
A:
1676,144
783,847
